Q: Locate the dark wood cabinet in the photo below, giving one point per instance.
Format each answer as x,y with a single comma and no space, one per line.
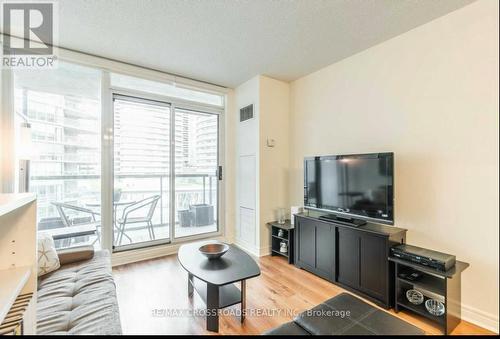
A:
356,258
305,240
363,263
348,258
373,272
315,247
325,252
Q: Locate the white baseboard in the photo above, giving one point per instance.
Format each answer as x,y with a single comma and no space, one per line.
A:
253,250
480,318
247,248
128,257
263,251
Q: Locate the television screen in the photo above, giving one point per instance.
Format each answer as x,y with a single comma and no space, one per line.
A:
356,186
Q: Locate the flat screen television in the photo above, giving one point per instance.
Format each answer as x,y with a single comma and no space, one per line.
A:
351,187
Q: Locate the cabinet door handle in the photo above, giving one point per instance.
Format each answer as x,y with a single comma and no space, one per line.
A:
359,261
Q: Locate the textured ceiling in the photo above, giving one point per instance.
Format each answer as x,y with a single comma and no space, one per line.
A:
227,42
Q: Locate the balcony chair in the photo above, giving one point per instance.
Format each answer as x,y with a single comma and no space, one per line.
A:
129,219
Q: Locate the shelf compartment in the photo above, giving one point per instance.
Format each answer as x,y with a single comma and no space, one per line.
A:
276,245
275,236
281,253
228,294
429,283
275,231
421,310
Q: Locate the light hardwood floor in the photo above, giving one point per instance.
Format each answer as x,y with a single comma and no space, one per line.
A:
280,291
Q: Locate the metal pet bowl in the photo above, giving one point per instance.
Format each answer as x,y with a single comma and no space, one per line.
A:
434,307
214,250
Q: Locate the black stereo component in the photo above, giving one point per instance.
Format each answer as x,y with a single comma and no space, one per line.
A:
437,260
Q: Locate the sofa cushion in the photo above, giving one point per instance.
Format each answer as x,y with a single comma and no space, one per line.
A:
289,328
75,254
79,298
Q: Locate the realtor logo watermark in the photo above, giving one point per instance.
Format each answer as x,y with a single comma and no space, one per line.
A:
29,32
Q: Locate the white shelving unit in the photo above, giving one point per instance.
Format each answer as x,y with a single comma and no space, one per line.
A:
18,254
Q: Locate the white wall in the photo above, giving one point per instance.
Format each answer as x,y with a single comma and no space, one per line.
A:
431,96
274,161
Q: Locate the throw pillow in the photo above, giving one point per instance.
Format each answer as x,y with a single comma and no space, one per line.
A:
48,260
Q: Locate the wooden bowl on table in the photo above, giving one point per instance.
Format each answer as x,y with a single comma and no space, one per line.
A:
214,250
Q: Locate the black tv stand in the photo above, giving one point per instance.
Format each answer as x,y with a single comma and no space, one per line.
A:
343,221
355,258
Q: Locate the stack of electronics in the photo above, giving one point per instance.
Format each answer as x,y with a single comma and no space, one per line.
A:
421,256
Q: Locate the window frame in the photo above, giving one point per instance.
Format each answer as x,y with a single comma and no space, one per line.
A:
175,103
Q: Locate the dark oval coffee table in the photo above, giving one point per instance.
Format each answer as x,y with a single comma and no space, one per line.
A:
214,279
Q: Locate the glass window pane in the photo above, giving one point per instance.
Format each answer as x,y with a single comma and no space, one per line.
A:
128,82
196,162
64,109
142,166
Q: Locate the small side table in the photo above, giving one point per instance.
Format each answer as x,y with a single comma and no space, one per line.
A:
276,240
444,286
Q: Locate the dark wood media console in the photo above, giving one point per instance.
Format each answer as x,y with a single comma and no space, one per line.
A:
356,258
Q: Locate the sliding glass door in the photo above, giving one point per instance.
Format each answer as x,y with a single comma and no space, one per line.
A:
141,199
153,143
196,164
